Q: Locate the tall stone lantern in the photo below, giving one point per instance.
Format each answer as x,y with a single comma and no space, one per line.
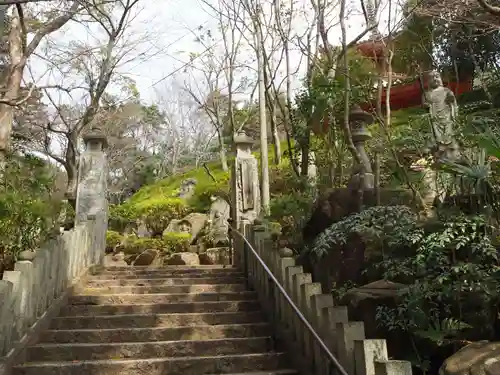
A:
358,121
91,202
245,189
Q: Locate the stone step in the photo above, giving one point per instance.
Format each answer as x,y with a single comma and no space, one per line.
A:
165,308
155,320
222,278
165,289
160,366
104,282
213,267
201,332
158,298
173,272
142,350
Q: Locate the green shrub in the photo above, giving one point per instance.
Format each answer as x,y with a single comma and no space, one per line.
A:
157,212
452,293
113,239
291,212
121,215
177,242
135,245
28,208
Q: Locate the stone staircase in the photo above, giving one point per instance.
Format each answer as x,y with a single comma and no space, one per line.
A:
171,320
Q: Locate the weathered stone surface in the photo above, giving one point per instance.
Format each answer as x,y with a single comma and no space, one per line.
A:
197,222
216,255
377,290
479,358
285,252
115,260
172,226
187,188
147,258
180,259
27,255
362,303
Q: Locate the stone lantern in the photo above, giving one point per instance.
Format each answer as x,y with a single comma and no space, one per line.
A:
358,121
91,202
243,143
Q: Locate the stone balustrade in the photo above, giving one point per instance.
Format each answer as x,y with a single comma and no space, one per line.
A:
345,338
36,288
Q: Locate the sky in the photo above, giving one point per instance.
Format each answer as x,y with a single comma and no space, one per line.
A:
172,25
173,22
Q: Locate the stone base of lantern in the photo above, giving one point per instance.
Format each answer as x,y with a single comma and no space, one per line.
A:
368,181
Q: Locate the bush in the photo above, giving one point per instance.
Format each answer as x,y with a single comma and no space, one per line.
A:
113,239
157,212
28,209
135,245
120,216
453,291
177,242
383,228
291,212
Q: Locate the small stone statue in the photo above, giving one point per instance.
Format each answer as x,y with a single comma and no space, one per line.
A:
443,110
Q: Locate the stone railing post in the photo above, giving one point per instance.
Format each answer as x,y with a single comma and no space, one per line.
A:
91,202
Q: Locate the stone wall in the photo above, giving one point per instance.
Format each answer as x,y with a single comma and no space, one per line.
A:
28,293
343,337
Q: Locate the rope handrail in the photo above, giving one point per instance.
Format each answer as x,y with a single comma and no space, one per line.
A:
294,307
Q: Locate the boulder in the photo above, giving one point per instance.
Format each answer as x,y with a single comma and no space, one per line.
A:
187,188
478,358
362,303
146,258
198,222
172,226
115,260
183,259
216,255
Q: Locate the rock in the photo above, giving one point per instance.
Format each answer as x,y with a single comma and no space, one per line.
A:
27,255
478,358
183,259
146,258
172,226
115,260
285,252
362,303
197,222
377,290
187,188
143,231
216,255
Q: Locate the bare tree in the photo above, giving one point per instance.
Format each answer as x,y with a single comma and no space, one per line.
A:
94,67
19,51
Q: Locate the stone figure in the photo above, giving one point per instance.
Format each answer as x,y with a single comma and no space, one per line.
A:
245,191
187,187
219,214
443,110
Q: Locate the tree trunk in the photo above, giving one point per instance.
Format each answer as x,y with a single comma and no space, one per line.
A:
71,167
13,85
222,152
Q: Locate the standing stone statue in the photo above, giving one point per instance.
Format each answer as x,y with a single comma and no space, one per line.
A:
91,199
443,110
245,188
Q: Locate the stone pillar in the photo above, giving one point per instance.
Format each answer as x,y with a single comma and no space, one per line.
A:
358,120
245,188
91,202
